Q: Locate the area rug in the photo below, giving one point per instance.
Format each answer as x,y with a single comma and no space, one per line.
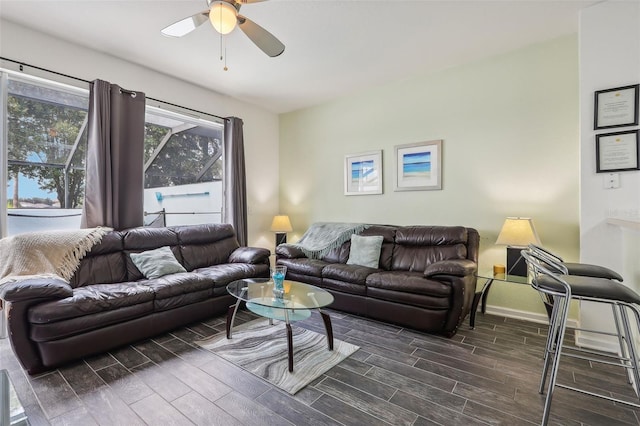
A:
261,349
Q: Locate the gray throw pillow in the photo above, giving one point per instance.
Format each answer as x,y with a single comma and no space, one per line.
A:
156,263
365,251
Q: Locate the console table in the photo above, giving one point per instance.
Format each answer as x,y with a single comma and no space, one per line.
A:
483,293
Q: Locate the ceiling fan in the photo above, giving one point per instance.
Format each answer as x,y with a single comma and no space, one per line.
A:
224,16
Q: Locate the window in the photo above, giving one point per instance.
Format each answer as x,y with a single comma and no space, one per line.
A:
46,128
183,169
47,139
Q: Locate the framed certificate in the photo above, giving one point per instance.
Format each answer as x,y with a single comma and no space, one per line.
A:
616,107
617,152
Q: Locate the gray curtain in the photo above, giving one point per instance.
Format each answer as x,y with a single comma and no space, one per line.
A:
115,157
235,186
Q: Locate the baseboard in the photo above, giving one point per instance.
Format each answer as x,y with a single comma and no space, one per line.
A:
583,339
597,342
524,315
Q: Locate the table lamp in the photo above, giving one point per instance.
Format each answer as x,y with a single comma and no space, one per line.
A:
517,233
281,225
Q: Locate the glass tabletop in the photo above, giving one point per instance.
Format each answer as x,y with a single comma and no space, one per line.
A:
259,291
11,411
489,275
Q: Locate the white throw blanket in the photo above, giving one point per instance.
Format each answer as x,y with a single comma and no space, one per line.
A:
321,237
52,253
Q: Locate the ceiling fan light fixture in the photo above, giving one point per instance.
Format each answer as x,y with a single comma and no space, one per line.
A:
223,17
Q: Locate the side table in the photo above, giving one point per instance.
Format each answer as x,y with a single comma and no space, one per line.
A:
483,293
3,320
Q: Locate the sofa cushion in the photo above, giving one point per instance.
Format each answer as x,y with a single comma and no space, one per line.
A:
181,289
431,303
347,273
82,324
181,300
388,234
206,244
409,288
91,299
156,263
341,254
419,246
344,287
177,284
408,282
365,251
304,266
90,307
104,264
142,239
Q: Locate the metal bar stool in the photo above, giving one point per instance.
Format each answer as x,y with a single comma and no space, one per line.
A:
551,279
569,268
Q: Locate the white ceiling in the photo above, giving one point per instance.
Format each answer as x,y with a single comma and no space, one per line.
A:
333,47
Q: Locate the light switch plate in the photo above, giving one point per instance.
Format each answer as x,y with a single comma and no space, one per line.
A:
611,180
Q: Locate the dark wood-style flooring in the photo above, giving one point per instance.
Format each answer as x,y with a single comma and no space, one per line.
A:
488,375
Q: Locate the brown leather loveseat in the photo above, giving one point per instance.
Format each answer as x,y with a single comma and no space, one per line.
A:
425,277
109,303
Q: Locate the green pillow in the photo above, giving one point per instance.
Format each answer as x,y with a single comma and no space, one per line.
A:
365,251
156,263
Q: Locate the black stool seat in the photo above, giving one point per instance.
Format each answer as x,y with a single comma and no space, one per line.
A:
600,288
587,270
573,268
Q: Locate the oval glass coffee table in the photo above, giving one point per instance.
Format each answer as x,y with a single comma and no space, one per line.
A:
294,305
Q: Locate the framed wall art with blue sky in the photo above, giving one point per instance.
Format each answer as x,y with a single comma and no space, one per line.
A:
418,166
363,173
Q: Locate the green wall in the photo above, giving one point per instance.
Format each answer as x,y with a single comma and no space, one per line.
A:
509,127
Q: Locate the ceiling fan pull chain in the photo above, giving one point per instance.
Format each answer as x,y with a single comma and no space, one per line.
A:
223,52
225,57
220,46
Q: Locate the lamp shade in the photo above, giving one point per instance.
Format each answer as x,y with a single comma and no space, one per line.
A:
223,17
281,223
518,231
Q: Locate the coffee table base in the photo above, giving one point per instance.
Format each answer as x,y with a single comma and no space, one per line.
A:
326,319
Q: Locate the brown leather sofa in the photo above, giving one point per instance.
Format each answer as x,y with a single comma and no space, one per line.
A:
425,279
109,303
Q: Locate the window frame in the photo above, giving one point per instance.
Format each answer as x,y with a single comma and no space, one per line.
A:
57,81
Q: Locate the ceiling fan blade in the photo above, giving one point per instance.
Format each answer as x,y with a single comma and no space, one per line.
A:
248,1
186,25
262,38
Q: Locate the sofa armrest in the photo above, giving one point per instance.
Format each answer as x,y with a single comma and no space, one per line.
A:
253,255
288,251
456,267
35,288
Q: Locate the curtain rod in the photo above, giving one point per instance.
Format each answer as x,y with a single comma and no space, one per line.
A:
23,64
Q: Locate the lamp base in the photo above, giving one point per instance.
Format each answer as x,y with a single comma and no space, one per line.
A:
281,238
516,265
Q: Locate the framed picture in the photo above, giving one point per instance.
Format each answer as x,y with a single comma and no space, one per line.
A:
418,166
617,152
363,173
616,107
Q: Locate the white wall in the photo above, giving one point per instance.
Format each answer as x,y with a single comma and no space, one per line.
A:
609,57
261,131
510,131
189,204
